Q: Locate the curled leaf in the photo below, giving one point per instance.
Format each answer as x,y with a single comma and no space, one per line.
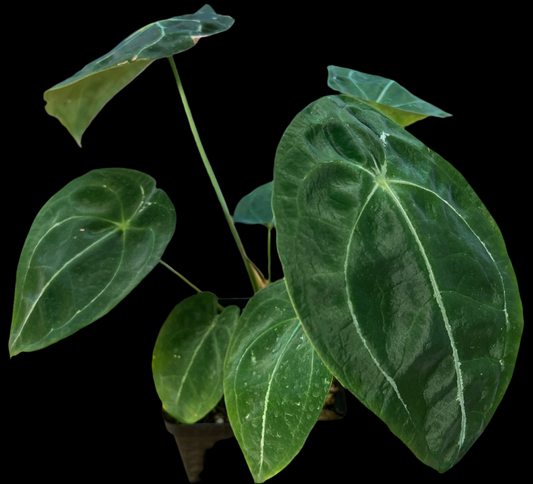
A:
77,100
385,95
256,207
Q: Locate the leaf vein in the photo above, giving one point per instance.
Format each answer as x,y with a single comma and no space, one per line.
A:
263,418
193,357
385,89
402,182
53,277
457,362
352,312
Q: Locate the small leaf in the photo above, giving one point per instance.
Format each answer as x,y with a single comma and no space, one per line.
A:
256,207
188,358
398,273
275,384
77,100
88,247
385,95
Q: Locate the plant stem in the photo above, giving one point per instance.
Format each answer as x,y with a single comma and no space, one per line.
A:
220,307
269,276
179,275
255,279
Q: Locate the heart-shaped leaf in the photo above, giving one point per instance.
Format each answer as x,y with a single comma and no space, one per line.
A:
88,247
274,382
77,100
188,359
256,207
385,95
398,274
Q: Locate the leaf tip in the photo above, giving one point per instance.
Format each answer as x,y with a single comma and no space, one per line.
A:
77,137
206,9
13,351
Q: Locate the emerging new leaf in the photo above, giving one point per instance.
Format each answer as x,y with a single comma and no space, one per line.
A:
398,274
88,247
188,359
256,207
274,382
385,95
77,100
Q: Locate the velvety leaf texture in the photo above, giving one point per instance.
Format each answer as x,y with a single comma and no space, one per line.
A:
385,95
77,100
88,247
188,358
256,207
398,274
274,382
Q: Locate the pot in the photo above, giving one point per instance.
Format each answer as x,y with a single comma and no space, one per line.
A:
194,440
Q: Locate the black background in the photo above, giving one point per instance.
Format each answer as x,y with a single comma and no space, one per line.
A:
86,408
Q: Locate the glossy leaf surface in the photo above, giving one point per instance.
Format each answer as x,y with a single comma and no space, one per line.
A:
256,207
385,95
88,247
77,100
274,382
398,273
188,359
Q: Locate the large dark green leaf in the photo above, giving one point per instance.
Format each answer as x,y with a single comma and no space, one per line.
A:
274,382
77,100
88,247
188,359
385,95
256,207
398,273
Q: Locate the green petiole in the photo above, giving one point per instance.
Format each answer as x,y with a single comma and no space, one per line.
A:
255,278
220,307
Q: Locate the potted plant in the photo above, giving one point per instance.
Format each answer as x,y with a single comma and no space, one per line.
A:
137,210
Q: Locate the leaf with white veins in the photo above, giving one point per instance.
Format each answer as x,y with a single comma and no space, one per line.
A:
274,382
188,358
88,247
77,100
385,95
398,274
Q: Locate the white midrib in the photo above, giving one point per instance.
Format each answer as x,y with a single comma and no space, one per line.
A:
437,295
402,182
162,29
352,312
243,354
104,289
193,357
54,276
57,224
263,418
385,89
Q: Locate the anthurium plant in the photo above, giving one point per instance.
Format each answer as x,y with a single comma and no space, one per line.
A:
396,279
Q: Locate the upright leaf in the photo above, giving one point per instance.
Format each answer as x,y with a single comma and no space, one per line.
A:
385,95
88,247
77,100
188,359
398,273
274,382
256,207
